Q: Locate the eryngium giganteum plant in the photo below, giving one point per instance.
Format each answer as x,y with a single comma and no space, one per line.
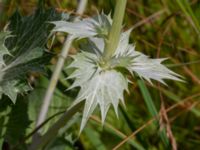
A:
101,81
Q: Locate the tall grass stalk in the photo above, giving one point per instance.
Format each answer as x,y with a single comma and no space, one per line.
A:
187,10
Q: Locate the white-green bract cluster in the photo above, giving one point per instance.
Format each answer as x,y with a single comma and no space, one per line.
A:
101,82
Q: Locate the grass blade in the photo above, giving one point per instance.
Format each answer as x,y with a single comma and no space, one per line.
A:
152,109
186,8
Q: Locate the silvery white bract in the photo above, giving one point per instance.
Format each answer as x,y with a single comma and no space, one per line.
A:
101,82
98,86
98,25
141,64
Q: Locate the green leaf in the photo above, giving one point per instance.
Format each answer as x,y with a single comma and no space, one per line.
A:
14,121
94,138
59,103
27,49
18,122
4,113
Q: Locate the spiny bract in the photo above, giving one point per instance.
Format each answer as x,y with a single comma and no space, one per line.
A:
89,27
101,82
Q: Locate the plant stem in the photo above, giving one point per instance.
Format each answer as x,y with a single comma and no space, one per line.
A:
53,82
54,79
58,69
53,131
114,34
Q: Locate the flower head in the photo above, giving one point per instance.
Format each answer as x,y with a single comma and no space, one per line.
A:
101,83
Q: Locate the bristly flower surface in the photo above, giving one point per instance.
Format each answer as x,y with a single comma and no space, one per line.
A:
101,82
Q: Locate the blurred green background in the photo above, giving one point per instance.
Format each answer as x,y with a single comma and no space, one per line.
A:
162,28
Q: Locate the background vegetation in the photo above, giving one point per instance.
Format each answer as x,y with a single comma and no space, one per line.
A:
162,28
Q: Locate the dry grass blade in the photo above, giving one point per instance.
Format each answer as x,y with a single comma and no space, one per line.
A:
118,133
165,123
149,19
181,103
98,120
133,134
164,120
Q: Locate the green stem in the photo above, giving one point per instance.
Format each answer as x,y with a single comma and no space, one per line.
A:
114,34
53,131
56,73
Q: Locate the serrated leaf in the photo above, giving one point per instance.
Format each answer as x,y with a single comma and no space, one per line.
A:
27,49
